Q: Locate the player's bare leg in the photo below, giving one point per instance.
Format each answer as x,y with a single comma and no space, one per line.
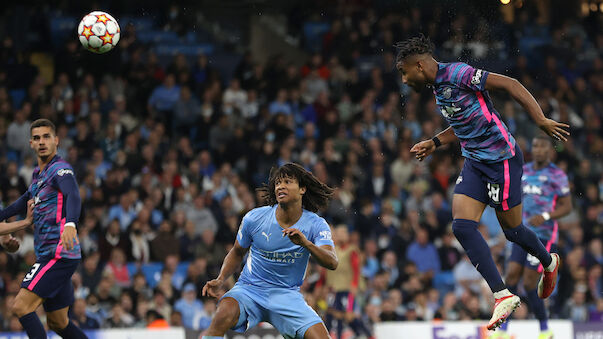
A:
24,307
226,317
26,302
467,212
515,231
317,331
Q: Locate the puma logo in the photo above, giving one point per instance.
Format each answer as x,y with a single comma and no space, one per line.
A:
267,235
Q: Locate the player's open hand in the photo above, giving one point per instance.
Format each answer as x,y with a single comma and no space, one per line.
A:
30,208
10,243
296,236
423,149
69,238
555,129
212,288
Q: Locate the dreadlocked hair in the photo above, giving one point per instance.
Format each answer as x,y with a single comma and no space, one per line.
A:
413,46
317,194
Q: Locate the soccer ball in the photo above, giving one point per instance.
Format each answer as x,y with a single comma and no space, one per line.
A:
98,32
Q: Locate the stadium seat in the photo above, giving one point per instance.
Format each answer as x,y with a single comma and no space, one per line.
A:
152,272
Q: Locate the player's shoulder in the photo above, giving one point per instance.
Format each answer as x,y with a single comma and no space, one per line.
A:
314,219
452,72
556,172
61,168
257,213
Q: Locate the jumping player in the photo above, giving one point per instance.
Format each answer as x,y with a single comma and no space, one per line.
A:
57,206
493,162
279,238
546,198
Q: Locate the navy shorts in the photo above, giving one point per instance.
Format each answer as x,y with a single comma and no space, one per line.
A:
525,259
50,279
497,184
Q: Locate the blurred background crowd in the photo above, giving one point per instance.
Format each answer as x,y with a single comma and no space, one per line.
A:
171,133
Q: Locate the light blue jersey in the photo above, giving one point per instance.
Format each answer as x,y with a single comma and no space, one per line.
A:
268,288
273,260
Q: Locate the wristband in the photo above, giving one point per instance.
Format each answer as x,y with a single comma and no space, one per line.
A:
436,141
546,216
70,224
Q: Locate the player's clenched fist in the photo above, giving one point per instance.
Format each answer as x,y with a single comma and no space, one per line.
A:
10,243
213,288
423,149
296,236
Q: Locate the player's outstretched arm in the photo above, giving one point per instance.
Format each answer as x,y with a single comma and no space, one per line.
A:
325,254
19,206
426,147
232,262
553,128
8,228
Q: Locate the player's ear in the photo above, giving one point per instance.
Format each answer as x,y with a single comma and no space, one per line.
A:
302,190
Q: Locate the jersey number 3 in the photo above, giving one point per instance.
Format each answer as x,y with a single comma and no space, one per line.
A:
31,273
494,192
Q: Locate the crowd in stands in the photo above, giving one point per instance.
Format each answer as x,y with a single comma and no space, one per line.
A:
168,157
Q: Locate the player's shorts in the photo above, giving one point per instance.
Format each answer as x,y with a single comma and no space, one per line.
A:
284,308
343,301
51,280
497,184
525,259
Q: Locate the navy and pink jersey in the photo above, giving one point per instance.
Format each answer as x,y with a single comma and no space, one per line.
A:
50,208
463,100
541,188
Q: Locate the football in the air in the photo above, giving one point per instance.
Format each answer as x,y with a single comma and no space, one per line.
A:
98,32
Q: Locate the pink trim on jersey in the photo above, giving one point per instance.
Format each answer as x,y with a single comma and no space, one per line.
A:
505,205
39,275
551,241
489,116
482,103
61,222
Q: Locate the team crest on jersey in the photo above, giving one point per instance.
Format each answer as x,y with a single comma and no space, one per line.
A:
447,93
542,178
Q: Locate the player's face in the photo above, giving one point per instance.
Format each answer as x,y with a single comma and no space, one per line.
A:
287,190
541,150
412,74
43,141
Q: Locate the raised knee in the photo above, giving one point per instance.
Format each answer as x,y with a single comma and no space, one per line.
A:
19,308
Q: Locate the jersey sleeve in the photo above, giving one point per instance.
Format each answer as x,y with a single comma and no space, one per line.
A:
244,234
561,184
64,180
322,233
472,78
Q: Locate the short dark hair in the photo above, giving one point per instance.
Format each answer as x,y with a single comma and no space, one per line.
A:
43,123
413,46
317,194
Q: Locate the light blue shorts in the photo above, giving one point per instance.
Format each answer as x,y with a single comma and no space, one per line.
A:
285,309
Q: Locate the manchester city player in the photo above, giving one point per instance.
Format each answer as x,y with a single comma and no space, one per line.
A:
546,198
493,162
57,206
279,238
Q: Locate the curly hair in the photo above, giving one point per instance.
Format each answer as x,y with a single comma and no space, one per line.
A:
317,194
413,46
